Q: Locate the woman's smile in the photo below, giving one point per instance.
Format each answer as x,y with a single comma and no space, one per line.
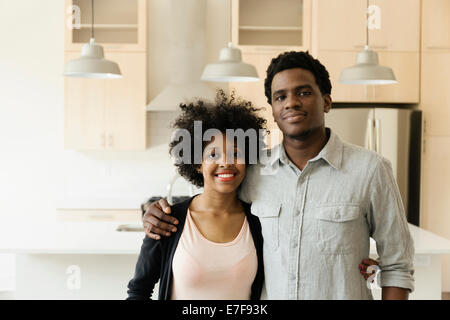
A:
225,176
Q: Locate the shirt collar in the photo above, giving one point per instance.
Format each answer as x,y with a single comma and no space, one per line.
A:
331,152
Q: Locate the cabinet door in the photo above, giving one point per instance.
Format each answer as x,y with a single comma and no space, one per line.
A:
84,112
339,25
267,26
119,25
335,62
125,102
406,69
436,185
399,26
435,99
436,25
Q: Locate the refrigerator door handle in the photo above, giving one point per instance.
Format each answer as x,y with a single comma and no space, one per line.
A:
377,136
369,140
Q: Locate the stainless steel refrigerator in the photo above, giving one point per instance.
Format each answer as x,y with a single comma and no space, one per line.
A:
393,131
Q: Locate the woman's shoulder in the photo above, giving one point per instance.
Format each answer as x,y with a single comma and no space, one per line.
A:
247,209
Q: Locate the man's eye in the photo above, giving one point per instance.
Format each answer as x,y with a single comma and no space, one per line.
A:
280,98
304,93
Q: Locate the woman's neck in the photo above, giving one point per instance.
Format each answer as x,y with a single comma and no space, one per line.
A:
216,202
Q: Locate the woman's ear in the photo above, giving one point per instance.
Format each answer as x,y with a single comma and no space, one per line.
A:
199,169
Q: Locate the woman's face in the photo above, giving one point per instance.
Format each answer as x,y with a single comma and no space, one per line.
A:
219,173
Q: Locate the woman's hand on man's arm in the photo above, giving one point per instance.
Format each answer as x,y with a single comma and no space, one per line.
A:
157,220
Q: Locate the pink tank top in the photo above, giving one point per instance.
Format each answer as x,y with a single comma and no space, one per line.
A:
206,270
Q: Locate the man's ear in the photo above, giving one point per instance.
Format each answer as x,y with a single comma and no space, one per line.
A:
327,103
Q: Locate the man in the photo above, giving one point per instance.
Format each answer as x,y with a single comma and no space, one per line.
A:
319,199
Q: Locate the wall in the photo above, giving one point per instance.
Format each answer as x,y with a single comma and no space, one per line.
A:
36,173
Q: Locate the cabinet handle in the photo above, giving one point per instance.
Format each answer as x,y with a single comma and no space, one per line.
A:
110,140
102,142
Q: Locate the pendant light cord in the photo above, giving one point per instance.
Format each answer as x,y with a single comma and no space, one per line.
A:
367,23
92,19
229,21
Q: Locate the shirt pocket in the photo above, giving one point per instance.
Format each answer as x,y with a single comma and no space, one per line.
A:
269,216
337,228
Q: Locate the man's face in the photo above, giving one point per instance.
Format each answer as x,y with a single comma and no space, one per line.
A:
298,106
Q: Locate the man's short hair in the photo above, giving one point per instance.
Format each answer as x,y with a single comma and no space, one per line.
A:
297,59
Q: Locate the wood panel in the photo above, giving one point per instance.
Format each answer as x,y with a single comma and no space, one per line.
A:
125,103
435,91
84,112
436,25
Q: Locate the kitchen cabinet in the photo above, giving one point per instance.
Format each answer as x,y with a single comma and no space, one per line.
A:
436,26
339,33
107,114
404,64
119,25
436,178
341,25
435,93
267,26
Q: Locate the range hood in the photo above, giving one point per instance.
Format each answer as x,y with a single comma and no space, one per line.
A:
187,57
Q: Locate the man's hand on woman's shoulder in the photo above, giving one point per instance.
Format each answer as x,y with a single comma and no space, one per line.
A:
157,220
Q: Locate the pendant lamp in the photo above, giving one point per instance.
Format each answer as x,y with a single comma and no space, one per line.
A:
367,70
230,67
92,63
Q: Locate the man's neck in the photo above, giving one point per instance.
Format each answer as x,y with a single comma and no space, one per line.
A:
300,151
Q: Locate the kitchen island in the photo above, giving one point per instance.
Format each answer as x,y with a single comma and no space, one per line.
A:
91,260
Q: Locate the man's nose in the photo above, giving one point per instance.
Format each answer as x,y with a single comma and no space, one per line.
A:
292,102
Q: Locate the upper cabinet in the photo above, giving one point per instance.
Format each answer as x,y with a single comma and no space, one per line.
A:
267,26
399,26
339,33
107,114
119,25
436,25
341,25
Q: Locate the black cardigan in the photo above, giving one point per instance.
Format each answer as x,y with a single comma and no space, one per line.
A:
155,259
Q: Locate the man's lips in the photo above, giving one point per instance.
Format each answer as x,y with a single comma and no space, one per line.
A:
294,116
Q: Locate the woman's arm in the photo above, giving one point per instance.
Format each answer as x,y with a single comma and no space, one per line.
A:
147,271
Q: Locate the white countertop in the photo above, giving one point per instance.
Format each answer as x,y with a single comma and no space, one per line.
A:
102,238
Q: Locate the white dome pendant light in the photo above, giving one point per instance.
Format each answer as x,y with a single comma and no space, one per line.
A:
230,67
92,63
367,70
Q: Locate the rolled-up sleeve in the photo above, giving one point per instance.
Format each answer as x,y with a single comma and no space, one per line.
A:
389,228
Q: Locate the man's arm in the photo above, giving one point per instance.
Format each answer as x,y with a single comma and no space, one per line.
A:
157,220
394,293
389,228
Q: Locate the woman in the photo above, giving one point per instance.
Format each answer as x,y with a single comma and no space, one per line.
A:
216,252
